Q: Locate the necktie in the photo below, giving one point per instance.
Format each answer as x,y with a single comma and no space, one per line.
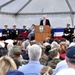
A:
44,22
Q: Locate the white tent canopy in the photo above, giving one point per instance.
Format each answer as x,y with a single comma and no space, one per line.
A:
27,12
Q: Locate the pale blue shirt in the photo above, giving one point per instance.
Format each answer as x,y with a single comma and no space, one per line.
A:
32,68
60,65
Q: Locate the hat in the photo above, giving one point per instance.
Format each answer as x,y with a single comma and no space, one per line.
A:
70,52
16,50
5,25
68,24
24,26
14,25
14,72
53,52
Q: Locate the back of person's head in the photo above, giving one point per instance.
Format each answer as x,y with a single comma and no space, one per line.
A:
3,51
47,49
42,46
67,71
9,47
19,43
14,72
6,64
50,40
47,70
72,44
26,43
54,53
34,52
70,55
16,50
62,40
33,42
63,47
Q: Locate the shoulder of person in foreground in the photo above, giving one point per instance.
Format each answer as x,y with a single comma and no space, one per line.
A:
68,71
14,72
59,66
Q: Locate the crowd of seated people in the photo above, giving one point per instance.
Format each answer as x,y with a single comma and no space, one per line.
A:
45,56
30,57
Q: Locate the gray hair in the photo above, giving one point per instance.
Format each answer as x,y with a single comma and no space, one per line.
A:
25,44
34,52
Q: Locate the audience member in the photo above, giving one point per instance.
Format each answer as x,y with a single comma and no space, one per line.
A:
54,54
61,65
24,50
44,57
46,71
16,53
6,64
33,67
68,71
63,47
70,57
69,61
3,51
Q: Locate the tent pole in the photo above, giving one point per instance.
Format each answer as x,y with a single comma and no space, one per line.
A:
71,12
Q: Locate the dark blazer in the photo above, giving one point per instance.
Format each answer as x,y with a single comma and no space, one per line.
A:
7,32
47,22
68,31
14,33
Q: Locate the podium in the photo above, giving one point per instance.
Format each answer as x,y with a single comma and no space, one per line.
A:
42,32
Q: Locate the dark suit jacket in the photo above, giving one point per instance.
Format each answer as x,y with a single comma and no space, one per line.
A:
47,22
14,33
7,32
68,31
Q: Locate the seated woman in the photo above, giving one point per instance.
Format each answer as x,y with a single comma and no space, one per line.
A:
63,48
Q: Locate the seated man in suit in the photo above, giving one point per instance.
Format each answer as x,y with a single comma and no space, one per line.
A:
5,33
45,21
15,32
68,32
